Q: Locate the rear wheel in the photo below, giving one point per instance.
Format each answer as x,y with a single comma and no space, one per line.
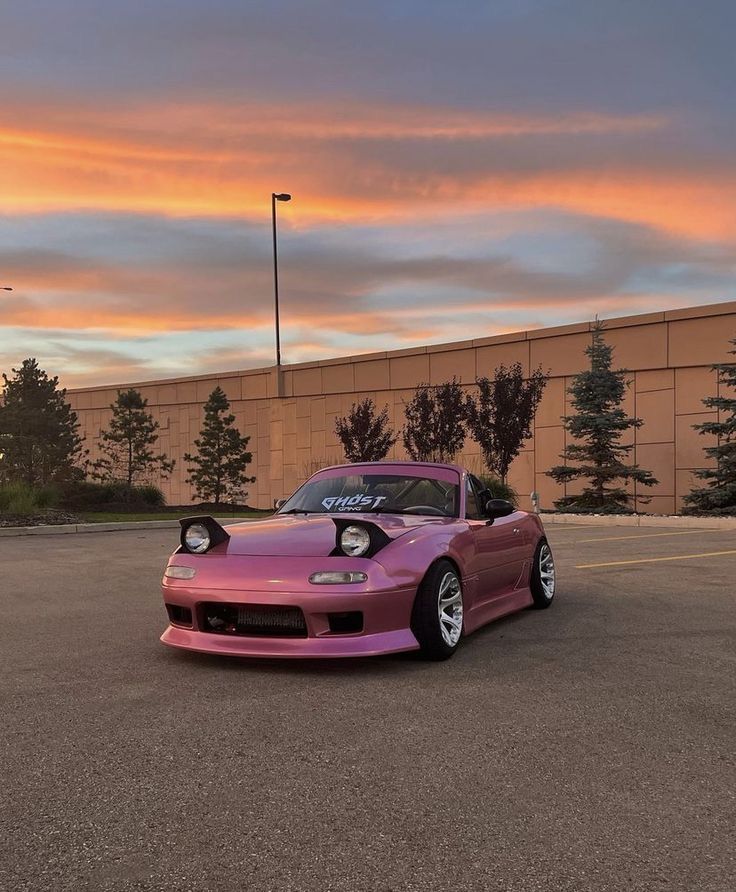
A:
542,582
437,617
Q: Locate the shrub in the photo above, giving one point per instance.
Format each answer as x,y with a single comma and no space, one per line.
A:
22,499
149,494
83,495
499,489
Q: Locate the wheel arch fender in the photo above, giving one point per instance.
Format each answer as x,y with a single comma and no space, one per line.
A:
451,559
411,565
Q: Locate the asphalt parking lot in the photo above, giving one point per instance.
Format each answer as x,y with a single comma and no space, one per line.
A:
586,747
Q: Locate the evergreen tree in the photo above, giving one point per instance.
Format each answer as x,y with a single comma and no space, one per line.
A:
597,427
218,469
365,436
39,442
500,417
719,496
435,422
126,445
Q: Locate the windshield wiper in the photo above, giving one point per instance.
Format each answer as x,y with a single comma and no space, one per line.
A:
299,511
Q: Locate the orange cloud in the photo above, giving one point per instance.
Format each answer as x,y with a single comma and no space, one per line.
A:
225,161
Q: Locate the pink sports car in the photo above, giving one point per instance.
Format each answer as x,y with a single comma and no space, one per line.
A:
363,559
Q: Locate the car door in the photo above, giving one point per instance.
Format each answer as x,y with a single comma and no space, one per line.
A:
496,547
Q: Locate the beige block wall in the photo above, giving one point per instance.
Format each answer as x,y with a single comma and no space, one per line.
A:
290,418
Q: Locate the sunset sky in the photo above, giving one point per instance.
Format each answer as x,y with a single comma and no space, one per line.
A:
459,169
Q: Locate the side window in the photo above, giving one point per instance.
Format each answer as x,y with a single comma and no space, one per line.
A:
472,509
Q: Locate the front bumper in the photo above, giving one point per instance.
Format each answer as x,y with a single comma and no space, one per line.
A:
358,645
386,613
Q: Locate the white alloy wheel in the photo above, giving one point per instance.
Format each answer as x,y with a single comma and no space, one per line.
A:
547,571
450,608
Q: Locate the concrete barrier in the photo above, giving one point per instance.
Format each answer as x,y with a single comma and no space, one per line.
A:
675,521
60,529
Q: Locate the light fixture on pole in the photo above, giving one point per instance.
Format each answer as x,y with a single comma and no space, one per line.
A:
5,288
277,196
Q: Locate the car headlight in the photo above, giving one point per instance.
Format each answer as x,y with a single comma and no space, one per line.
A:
336,577
197,538
355,541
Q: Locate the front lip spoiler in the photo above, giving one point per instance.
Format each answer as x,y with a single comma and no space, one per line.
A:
325,647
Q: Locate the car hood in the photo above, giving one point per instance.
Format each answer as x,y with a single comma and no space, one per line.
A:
305,535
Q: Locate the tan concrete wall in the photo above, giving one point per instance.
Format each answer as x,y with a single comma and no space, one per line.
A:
291,421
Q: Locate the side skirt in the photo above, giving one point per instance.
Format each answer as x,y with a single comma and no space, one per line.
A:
518,599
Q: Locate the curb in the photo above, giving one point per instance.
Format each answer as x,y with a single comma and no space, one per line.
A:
616,520
677,522
60,529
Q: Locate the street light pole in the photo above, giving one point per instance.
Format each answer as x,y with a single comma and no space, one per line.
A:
277,196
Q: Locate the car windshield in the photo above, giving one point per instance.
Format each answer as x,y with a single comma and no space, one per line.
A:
375,493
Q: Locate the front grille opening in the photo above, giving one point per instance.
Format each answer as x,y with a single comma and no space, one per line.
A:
346,623
275,621
180,616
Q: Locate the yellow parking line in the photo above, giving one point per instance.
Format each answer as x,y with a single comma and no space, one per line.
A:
650,535
677,557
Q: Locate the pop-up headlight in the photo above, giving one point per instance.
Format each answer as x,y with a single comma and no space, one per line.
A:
196,538
355,541
199,534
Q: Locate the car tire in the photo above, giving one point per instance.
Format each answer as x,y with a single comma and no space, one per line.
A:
542,580
437,617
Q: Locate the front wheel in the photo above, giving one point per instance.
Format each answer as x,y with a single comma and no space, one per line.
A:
542,582
437,617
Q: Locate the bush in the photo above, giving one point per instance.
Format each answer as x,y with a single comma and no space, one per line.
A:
148,494
82,495
21,499
499,489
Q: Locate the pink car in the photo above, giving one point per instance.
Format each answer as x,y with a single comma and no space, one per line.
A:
363,559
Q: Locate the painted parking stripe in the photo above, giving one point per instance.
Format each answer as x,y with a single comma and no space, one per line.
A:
677,557
652,535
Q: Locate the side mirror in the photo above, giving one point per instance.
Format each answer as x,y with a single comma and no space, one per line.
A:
498,508
279,503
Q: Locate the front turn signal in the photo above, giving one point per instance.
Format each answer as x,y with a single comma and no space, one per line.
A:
337,577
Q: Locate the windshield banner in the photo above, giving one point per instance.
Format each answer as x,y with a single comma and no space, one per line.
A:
358,502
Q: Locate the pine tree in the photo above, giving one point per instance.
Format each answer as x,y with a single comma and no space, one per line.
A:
719,496
218,469
435,422
365,435
126,445
500,417
39,442
598,426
